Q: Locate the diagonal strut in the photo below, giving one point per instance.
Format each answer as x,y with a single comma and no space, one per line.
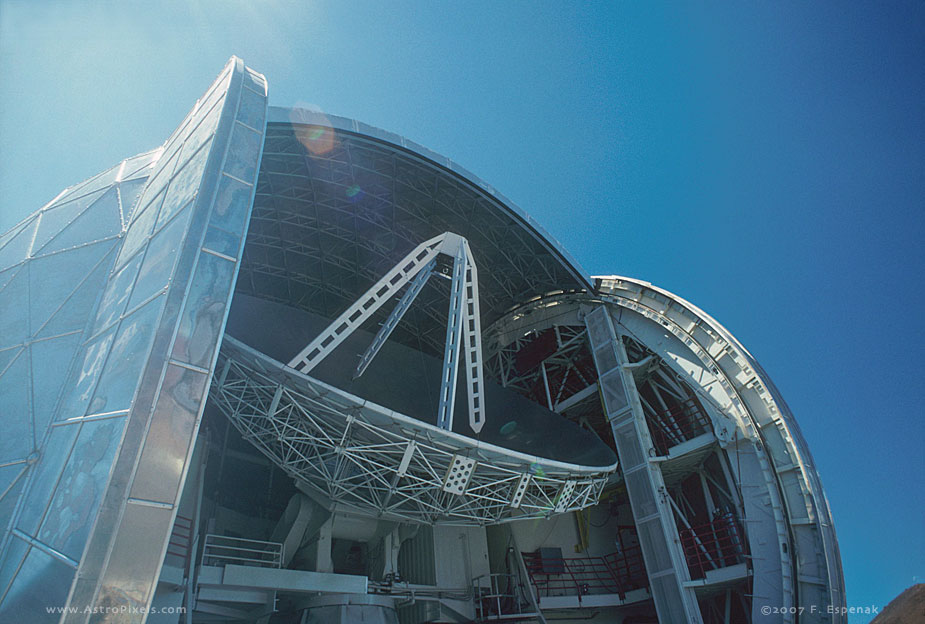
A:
463,324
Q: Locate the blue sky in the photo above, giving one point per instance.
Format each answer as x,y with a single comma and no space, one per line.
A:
765,161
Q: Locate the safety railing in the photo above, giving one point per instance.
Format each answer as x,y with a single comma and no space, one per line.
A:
629,568
499,597
716,544
219,550
616,573
675,426
181,539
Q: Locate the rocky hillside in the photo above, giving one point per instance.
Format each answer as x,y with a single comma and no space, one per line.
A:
906,608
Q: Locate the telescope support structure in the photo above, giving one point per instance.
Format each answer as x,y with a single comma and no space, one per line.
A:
463,331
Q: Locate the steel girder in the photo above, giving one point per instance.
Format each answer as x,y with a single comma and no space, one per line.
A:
361,457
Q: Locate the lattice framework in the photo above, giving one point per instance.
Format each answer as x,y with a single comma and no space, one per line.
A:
355,455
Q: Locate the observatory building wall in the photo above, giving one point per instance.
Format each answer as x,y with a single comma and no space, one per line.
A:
109,379
150,457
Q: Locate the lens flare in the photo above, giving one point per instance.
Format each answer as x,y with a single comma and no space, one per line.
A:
317,135
318,140
354,193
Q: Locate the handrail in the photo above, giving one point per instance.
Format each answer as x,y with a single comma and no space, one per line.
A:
493,601
616,573
532,596
716,544
181,540
677,425
219,550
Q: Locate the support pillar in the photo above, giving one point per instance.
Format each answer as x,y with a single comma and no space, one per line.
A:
658,534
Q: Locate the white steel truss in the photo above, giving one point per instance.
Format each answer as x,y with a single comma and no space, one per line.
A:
463,329
358,456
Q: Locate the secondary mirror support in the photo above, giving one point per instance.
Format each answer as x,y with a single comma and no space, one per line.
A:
463,330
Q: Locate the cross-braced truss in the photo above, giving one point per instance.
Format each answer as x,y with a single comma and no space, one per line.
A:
366,458
463,328
550,366
328,223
